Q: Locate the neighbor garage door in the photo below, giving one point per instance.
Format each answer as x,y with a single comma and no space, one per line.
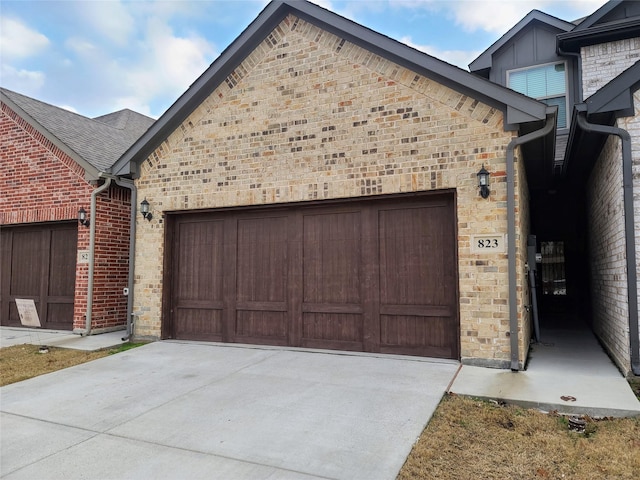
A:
39,263
375,276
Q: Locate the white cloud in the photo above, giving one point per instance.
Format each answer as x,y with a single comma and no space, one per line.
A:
492,16
80,46
163,67
112,20
21,79
19,41
178,60
69,108
460,58
324,4
498,16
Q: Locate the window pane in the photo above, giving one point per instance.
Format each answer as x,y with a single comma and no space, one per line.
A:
537,82
518,81
561,102
555,80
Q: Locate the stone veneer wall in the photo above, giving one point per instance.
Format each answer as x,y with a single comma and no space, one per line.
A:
607,258
310,116
603,62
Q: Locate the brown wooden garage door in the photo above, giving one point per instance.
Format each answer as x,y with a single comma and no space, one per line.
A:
376,276
39,263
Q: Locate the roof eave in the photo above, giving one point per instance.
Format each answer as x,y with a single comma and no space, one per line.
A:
572,41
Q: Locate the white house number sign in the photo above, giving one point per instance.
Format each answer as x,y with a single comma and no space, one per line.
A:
487,244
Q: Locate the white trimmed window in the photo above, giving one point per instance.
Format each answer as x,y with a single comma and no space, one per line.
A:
547,83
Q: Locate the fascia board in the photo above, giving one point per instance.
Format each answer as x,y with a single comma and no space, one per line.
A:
598,34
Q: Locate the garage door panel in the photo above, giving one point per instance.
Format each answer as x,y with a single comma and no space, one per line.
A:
261,324
413,249
27,262
339,327
199,263
428,335
332,258
55,311
62,264
199,324
261,289
262,259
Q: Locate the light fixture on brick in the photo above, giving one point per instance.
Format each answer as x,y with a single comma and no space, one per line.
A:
144,209
82,217
483,182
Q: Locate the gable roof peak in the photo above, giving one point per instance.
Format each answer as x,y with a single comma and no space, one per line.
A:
517,108
484,60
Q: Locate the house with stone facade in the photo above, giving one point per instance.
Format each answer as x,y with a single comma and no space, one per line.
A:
586,217
53,164
319,186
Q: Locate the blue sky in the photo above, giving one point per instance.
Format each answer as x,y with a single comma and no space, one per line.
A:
98,56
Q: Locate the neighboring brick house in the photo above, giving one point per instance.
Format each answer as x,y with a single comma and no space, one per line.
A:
51,162
592,69
317,186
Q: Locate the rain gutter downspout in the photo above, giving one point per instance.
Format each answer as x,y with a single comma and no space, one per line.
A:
511,233
92,246
629,227
132,251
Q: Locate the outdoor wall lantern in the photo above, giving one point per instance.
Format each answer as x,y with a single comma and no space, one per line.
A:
82,217
144,209
483,182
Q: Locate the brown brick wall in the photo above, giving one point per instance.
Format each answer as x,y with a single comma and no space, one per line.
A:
311,116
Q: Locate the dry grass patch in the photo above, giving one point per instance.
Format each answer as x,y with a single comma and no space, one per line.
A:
472,439
21,362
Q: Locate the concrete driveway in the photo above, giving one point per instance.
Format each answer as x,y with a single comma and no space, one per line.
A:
192,410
